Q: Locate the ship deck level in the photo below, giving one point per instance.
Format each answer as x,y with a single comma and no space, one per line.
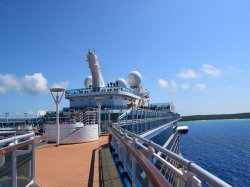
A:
76,165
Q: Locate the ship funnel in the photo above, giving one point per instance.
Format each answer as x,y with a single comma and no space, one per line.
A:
95,68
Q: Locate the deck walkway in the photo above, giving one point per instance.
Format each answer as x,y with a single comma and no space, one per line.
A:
73,165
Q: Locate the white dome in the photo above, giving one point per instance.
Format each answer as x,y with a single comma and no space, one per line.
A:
88,82
121,82
134,79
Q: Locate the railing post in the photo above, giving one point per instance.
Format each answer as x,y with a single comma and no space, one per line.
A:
13,165
137,121
125,152
13,168
134,165
132,119
151,152
133,171
118,148
33,169
190,180
126,120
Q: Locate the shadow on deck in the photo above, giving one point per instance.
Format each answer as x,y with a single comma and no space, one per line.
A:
108,174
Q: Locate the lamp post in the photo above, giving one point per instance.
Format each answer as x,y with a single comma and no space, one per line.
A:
99,105
57,94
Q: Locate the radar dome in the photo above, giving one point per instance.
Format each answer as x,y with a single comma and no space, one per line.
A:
88,82
134,79
121,82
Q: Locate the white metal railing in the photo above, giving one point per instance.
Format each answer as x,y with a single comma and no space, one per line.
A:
87,116
187,174
84,91
16,138
17,159
124,114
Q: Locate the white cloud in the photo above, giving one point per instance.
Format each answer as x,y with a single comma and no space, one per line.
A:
185,86
167,84
163,83
7,82
32,84
64,84
188,74
200,86
211,70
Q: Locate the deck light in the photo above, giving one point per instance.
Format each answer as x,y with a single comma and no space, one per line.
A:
57,94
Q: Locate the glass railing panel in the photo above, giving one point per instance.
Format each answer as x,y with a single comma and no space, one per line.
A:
104,127
141,177
24,170
129,162
5,171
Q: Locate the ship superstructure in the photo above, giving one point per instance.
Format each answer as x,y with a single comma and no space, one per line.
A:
114,95
120,102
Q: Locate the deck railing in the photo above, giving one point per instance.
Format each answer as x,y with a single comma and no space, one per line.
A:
186,173
17,159
88,116
85,91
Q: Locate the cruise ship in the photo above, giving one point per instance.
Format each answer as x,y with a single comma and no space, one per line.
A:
137,142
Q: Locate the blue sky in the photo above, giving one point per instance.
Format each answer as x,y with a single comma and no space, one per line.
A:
194,53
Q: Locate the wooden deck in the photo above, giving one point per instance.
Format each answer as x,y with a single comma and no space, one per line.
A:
70,165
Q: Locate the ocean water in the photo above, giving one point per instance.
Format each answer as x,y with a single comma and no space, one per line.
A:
222,147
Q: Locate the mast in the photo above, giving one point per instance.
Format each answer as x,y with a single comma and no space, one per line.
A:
95,69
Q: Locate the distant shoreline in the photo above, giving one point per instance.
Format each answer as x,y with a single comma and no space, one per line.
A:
215,117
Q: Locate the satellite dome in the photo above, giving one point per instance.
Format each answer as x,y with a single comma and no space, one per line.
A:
121,82
88,82
134,79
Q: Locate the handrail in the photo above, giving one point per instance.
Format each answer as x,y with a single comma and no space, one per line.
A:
30,134
8,149
156,178
191,166
125,113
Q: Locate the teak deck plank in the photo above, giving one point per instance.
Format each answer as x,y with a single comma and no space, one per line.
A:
69,165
